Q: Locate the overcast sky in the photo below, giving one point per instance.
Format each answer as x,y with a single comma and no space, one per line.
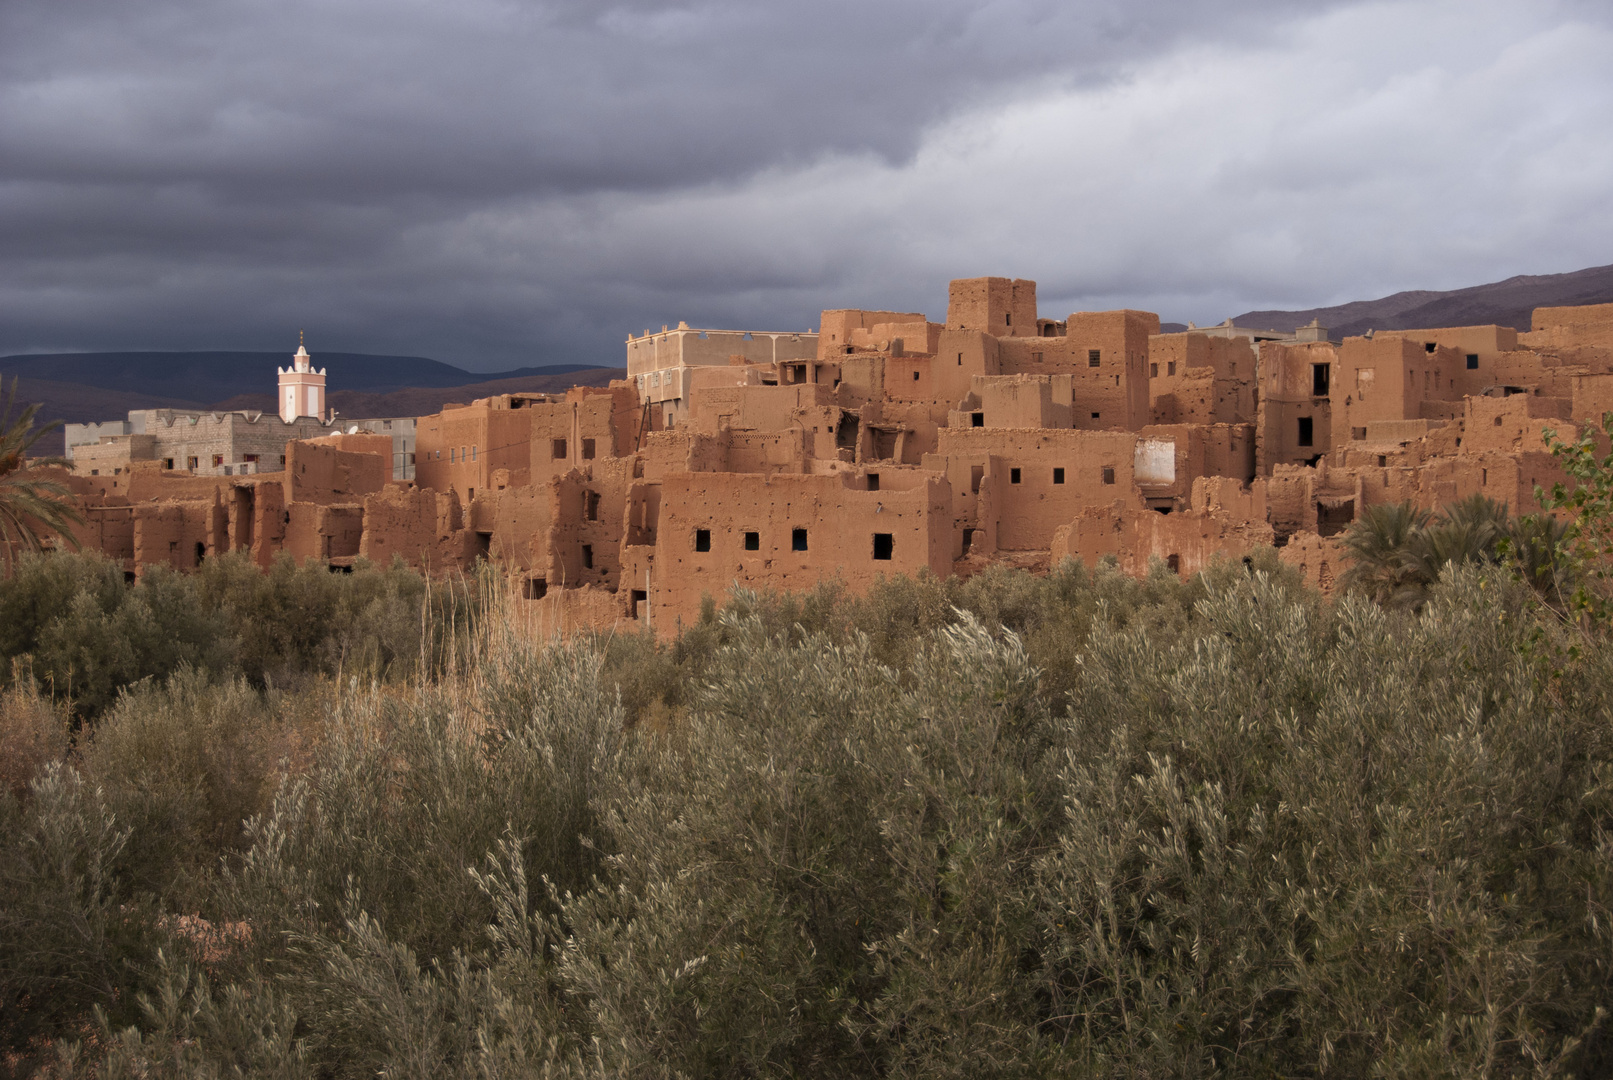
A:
501,183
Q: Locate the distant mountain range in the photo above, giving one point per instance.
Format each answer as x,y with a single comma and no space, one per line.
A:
208,377
82,387
1502,303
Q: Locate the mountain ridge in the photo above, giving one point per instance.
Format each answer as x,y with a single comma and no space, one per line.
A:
1510,302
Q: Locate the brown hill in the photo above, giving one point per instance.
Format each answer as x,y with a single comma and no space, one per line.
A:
1503,303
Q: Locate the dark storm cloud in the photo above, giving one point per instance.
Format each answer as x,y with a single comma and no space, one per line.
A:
498,183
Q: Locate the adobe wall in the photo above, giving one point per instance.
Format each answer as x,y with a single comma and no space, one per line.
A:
842,526
1227,520
422,527
1032,480
1001,307
337,469
1290,375
1556,327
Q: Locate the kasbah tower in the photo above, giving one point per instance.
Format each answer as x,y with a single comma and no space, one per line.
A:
881,444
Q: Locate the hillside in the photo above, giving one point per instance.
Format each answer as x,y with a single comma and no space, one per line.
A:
1504,303
216,376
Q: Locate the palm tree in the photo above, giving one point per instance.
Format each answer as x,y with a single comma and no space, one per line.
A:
1377,542
31,506
1468,530
1538,545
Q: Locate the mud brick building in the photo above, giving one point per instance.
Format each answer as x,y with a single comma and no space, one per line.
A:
882,443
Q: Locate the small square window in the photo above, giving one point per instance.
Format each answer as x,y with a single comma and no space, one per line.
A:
977,419
884,544
557,449
1094,357
873,481
588,449
915,376
1431,346
753,541
702,539
1383,461
1094,416
1013,476
798,540
1472,361
1058,475
194,463
218,459
1108,474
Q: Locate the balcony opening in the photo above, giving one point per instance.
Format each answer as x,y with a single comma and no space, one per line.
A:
1320,375
884,544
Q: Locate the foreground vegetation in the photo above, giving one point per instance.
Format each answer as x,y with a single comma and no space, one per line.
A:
1080,825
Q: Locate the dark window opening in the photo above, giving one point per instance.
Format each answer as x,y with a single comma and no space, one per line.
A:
201,552
915,376
1472,361
588,449
702,539
1383,461
1058,475
638,596
1108,474
1306,431
753,541
534,588
1013,476
484,544
1498,421
1153,371
798,540
1093,357
1170,367
873,481
1319,379
846,435
977,419
976,473
1358,433
591,505
1095,416
1173,563
968,541
558,449
167,462
960,359
588,556
884,544
1332,520
1431,346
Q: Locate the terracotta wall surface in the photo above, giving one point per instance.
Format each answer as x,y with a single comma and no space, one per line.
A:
896,445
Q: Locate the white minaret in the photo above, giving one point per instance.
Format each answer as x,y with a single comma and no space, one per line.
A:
302,389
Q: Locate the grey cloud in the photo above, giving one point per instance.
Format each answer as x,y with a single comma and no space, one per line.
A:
502,183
